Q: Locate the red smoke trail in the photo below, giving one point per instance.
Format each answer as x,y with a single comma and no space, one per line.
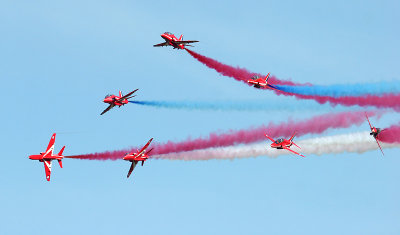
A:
315,125
241,74
390,134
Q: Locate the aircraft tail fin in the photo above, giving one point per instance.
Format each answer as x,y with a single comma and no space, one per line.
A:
148,152
120,93
266,78
61,151
181,38
60,162
291,138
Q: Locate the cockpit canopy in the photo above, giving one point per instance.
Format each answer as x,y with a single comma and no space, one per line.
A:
168,33
107,96
278,141
255,77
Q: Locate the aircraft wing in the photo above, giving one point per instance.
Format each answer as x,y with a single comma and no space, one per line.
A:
161,44
269,138
148,152
107,109
134,163
379,145
184,42
368,121
293,151
296,145
144,147
127,95
47,169
50,147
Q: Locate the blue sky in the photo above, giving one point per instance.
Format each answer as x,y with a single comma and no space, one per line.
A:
59,59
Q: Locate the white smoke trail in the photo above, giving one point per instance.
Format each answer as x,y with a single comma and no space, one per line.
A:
359,142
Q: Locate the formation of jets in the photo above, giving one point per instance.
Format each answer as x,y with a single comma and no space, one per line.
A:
48,156
142,155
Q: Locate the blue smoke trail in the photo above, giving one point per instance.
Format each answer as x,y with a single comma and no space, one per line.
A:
263,106
343,90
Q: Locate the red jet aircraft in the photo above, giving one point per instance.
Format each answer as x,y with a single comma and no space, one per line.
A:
282,143
48,156
171,40
115,100
258,81
375,132
140,155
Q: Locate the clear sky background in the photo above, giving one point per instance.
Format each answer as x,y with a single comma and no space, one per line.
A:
60,58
